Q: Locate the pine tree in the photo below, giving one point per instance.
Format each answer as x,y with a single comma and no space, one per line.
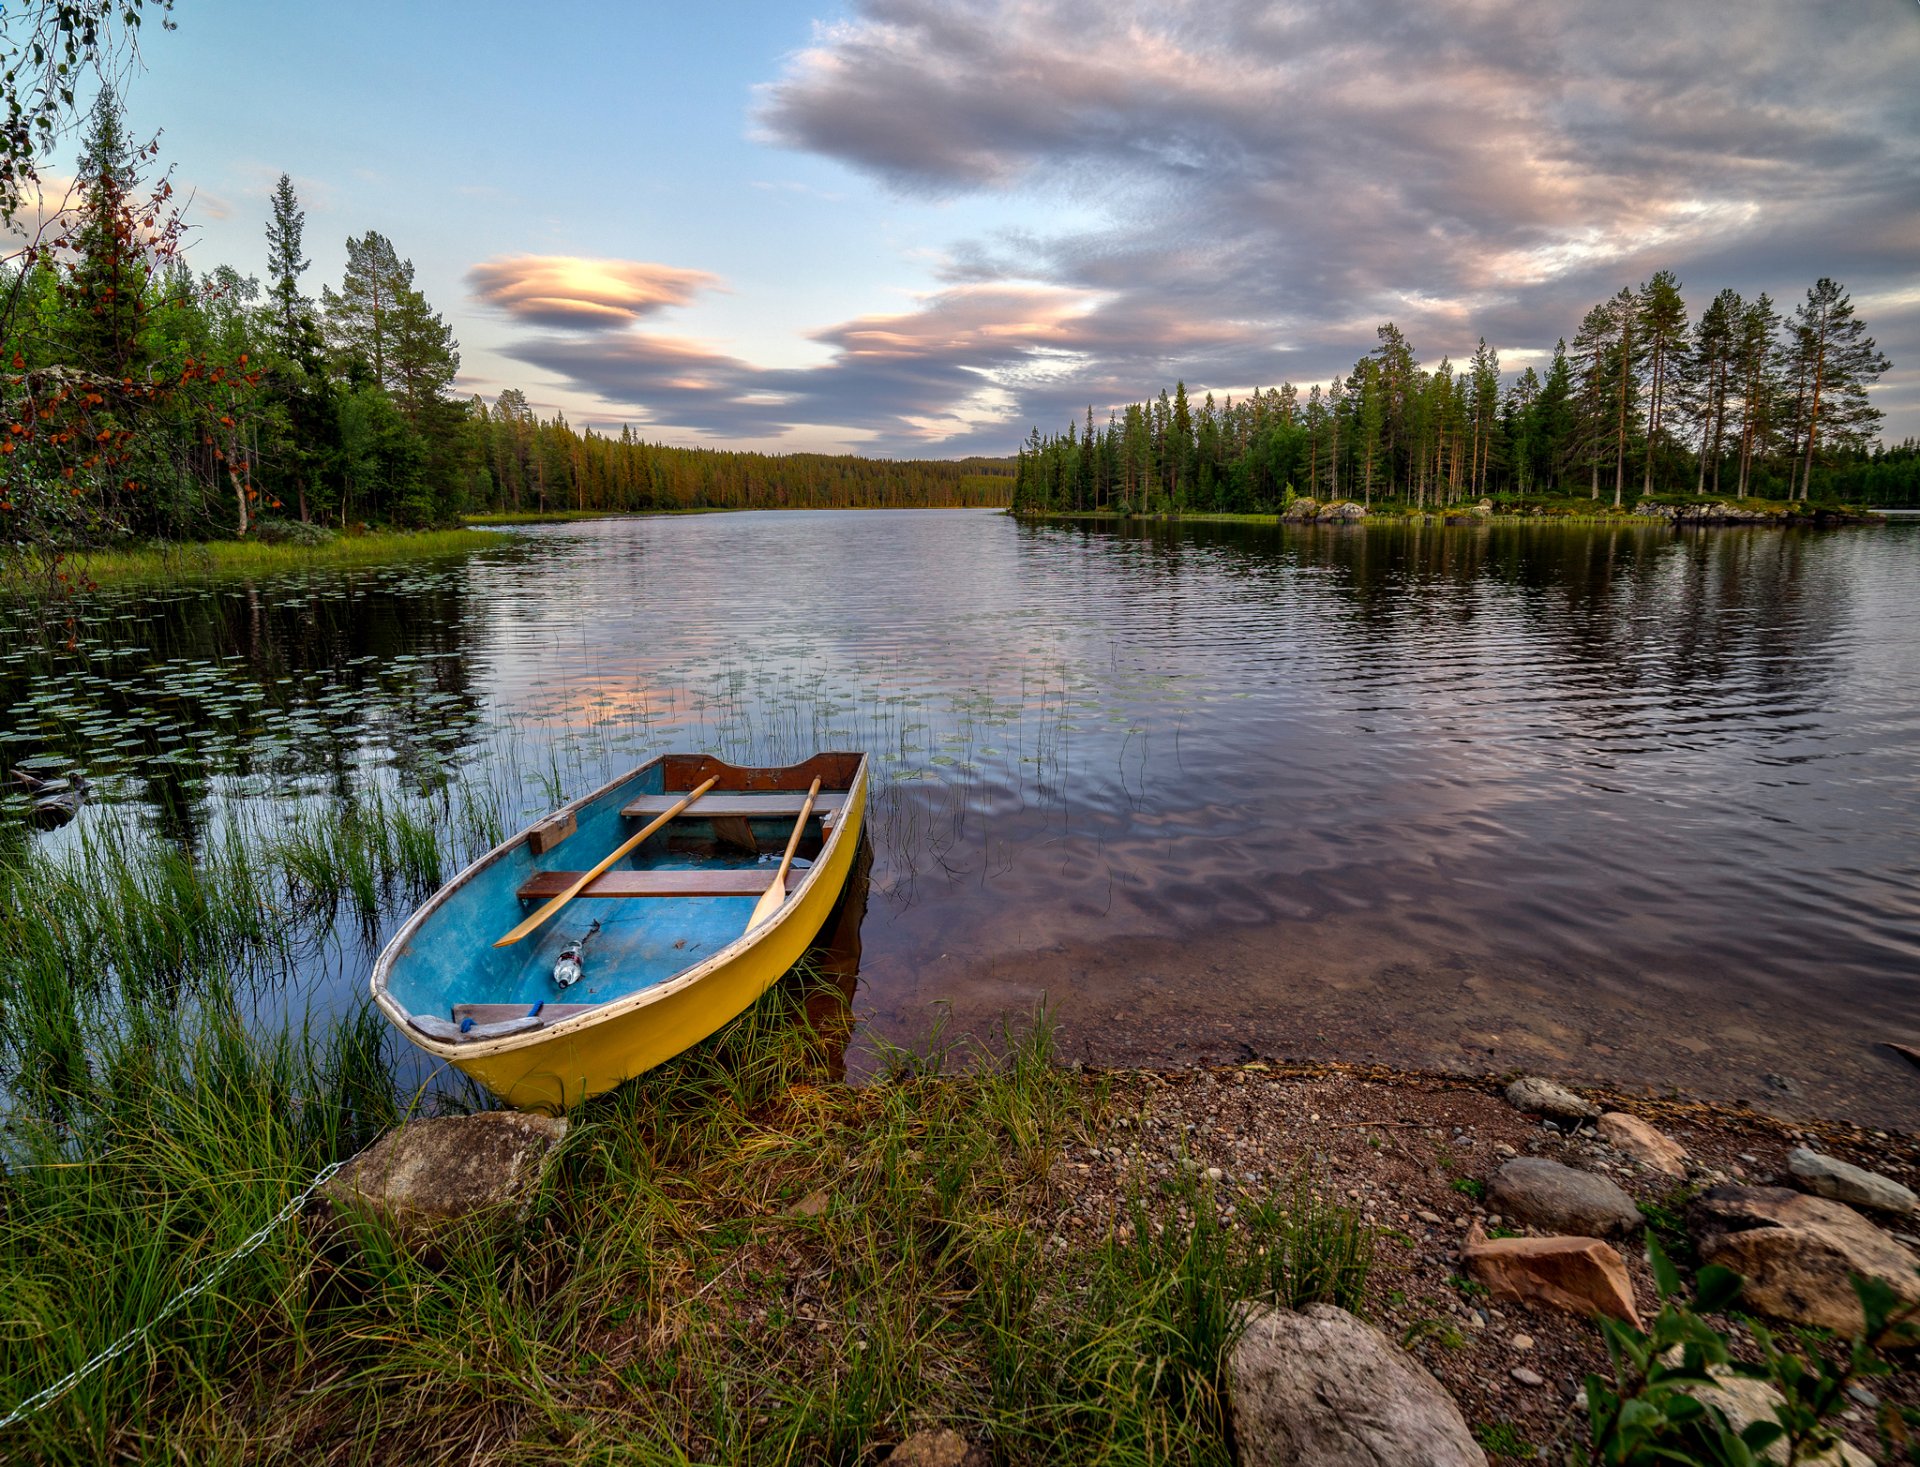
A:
1554,425
1596,360
422,357
1661,317
1759,386
1624,316
1836,362
1706,382
1486,406
360,322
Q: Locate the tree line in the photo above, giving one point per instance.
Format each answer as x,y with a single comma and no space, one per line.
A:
140,399
1739,401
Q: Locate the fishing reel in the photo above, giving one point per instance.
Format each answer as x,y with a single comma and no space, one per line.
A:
570,966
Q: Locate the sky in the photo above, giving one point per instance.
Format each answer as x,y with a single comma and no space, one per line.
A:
920,227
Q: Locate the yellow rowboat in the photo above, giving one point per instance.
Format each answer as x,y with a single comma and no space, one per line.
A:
657,948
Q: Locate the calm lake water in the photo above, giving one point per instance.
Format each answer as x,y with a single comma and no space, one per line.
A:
1618,804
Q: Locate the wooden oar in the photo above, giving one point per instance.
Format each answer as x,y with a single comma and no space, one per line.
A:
554,905
773,896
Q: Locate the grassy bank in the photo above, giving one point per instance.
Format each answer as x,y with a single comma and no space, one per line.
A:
573,516
735,1257
213,560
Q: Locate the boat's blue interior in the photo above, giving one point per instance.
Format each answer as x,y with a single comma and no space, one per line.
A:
641,942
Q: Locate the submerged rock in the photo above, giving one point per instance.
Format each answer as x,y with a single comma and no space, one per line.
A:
427,1174
1798,1253
1544,1194
1839,1181
1319,1388
1544,1098
1642,1142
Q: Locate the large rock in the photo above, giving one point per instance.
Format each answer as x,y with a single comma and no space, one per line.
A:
1635,1138
427,1174
1303,508
1544,1098
1321,1389
1799,1253
1579,1275
1839,1181
1558,1199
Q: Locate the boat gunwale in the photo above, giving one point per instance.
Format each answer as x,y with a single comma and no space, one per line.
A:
400,1016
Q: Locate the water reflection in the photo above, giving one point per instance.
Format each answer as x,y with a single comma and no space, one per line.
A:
1629,803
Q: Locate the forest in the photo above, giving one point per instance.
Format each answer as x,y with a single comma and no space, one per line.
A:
1738,401
141,400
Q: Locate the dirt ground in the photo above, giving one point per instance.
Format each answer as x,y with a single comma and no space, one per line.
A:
1408,1151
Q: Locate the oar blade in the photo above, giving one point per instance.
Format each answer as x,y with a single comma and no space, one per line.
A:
769,903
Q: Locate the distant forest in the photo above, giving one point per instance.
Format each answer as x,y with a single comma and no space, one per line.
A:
1648,399
138,399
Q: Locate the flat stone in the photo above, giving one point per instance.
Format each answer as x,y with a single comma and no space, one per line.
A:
1544,1098
1527,1377
426,1174
1319,1388
1839,1181
942,1447
1798,1253
814,1204
1643,1143
1544,1194
1579,1275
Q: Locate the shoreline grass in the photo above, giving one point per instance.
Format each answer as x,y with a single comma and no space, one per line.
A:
212,560
500,518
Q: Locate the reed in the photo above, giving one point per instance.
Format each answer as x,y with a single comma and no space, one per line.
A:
214,560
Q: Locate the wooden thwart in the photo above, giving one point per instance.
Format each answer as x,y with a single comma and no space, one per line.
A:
500,1013
560,899
747,881
776,805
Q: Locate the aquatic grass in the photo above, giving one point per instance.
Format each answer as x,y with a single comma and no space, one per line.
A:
214,560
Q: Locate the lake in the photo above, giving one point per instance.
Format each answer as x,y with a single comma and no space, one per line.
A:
1622,805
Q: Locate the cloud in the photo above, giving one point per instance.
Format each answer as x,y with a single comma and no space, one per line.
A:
581,294
1272,179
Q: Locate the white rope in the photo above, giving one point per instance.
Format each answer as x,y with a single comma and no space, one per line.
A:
173,1306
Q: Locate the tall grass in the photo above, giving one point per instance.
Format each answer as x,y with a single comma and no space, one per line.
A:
219,559
733,1259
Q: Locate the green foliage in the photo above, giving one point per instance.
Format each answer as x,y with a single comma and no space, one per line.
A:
1651,1412
1640,399
1503,1439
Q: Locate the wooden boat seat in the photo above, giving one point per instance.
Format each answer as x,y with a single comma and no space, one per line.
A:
738,881
473,1022
500,1013
772,805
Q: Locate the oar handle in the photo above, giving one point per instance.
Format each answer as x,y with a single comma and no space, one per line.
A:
587,877
774,895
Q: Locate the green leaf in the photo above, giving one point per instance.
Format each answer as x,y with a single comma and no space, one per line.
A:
1763,1434
1666,1278
1714,1288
